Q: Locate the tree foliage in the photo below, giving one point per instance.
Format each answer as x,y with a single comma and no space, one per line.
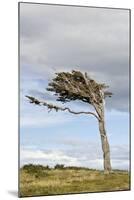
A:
77,86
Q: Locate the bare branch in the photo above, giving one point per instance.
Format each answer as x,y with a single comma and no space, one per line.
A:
57,108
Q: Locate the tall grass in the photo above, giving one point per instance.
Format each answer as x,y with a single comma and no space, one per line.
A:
42,180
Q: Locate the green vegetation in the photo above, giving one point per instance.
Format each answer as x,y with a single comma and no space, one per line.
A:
41,180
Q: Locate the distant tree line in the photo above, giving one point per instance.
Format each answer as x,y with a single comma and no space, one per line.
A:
41,170
35,168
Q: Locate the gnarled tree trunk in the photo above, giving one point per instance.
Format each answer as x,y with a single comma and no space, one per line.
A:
105,147
104,139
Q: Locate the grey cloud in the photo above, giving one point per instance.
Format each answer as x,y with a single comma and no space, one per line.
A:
57,38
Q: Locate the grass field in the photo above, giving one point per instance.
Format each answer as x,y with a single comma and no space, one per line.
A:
39,180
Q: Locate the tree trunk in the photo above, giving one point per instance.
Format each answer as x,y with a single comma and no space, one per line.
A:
105,147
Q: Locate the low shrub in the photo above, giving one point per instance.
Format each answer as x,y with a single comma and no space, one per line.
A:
59,166
35,169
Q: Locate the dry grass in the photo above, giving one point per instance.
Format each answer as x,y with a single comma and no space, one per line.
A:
65,181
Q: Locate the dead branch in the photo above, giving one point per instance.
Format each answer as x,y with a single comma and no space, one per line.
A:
57,108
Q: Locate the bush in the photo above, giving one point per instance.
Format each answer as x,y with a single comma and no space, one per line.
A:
59,166
37,170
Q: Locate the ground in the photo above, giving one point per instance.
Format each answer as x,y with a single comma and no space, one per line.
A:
45,181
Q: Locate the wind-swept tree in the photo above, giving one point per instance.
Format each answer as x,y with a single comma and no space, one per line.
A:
71,86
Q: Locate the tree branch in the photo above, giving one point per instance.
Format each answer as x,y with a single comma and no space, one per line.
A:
57,108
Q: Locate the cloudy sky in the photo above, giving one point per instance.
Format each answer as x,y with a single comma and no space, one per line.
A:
61,38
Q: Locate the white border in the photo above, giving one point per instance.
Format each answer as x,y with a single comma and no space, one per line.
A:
9,99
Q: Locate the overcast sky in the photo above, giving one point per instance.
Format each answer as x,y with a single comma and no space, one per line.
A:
62,38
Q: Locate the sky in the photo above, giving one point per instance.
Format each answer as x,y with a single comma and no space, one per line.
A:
57,38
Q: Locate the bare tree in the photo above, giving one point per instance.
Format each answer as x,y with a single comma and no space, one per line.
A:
78,86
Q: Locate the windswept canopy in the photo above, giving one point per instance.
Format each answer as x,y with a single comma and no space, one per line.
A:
77,86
